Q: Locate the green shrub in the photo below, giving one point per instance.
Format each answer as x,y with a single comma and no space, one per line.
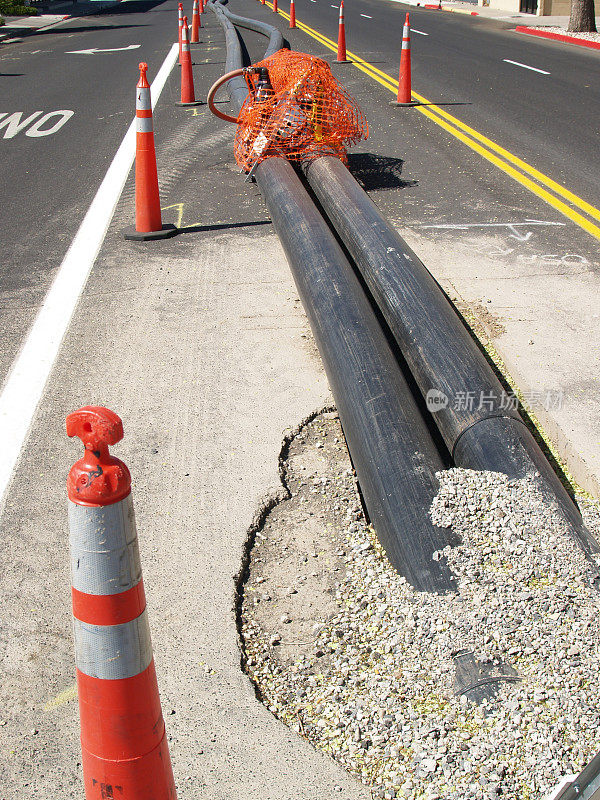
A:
13,10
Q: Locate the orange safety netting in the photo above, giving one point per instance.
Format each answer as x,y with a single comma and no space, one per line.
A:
306,115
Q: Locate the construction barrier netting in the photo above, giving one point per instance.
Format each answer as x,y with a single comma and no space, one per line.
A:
301,115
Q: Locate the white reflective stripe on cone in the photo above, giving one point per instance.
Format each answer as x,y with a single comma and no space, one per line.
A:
113,652
143,101
144,125
105,558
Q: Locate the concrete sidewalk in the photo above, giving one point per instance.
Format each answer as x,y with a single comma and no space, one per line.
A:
560,23
18,27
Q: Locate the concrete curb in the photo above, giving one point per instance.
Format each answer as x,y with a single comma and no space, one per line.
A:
557,36
436,7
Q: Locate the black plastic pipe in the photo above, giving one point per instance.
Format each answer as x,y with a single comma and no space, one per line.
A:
391,447
392,450
441,354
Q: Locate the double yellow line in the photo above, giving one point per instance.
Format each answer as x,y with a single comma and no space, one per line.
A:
559,197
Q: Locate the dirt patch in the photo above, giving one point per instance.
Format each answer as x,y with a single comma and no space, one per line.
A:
298,557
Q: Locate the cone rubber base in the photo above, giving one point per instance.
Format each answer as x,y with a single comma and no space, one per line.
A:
345,61
193,103
412,103
145,236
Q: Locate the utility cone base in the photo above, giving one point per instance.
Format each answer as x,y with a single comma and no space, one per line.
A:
194,103
412,103
343,61
165,232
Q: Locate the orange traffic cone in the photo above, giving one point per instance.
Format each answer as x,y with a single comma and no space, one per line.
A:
404,81
196,23
202,6
292,14
187,75
180,25
148,222
341,49
123,737
275,6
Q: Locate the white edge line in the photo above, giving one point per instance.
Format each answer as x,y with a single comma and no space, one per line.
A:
525,66
30,370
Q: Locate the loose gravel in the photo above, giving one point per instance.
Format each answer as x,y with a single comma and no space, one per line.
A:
373,685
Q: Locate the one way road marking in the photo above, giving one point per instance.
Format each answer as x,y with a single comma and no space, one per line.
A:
93,50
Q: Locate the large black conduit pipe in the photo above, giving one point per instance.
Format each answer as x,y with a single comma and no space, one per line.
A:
393,453
437,347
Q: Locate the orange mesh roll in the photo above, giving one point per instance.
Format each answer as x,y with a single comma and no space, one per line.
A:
306,115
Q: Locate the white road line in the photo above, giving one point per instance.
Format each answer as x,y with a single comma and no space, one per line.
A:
366,16
29,373
525,66
414,30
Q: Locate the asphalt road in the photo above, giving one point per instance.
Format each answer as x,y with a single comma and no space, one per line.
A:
51,180
549,120
458,61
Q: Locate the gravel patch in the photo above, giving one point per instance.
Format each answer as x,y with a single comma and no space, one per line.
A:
589,37
373,680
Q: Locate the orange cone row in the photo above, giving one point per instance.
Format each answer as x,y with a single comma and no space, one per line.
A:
123,737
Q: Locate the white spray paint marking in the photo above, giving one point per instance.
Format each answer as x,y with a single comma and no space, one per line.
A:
28,375
512,226
414,30
525,66
366,16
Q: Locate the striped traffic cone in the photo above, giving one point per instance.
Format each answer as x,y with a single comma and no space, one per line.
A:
341,48
292,14
196,23
187,74
123,739
404,81
180,26
148,221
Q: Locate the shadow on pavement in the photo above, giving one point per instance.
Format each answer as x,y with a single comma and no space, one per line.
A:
378,172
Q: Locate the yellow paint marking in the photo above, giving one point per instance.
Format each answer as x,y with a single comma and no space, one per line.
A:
180,212
62,698
577,218
478,142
